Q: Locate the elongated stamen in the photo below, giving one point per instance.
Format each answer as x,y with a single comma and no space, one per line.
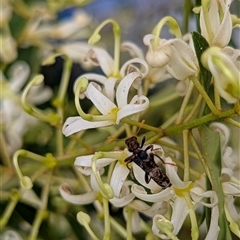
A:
84,219
174,27
106,189
117,40
52,118
49,161
25,181
81,86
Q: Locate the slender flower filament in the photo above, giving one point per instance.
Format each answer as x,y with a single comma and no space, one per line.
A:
84,220
117,41
25,181
194,228
81,87
173,24
106,189
52,118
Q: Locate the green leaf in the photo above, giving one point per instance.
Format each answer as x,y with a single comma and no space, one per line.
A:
211,148
200,45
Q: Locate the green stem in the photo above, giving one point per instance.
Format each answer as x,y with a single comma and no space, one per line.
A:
186,156
6,160
184,103
141,125
194,109
129,223
205,96
217,99
67,68
187,10
118,228
233,122
162,101
41,214
107,230
194,225
173,130
14,198
200,156
106,189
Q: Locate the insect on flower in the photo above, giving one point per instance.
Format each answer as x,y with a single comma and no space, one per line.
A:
146,162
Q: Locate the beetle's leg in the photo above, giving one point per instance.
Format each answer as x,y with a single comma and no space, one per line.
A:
143,141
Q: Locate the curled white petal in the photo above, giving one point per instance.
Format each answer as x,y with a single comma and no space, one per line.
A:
133,49
135,221
141,193
214,228
100,57
223,131
172,174
232,209
85,198
123,88
77,124
84,163
143,69
141,104
149,210
198,196
183,62
119,175
231,189
125,196
109,88
180,211
101,102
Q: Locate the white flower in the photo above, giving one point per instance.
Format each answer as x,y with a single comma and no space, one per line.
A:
72,26
100,57
177,193
216,22
155,75
230,184
225,73
77,51
138,206
111,113
176,56
8,53
15,120
121,188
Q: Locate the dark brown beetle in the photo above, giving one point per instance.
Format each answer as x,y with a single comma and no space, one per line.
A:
146,161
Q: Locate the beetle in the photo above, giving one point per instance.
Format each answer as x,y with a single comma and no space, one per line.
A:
146,161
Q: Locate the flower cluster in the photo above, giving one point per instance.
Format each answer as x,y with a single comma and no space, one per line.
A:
149,133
